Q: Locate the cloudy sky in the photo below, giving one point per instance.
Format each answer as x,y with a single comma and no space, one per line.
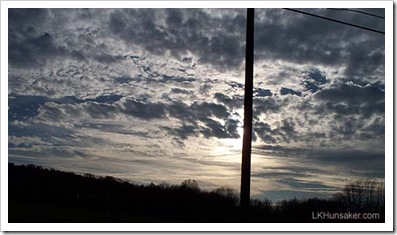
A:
156,95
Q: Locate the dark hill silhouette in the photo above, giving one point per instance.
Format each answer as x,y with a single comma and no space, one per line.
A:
44,195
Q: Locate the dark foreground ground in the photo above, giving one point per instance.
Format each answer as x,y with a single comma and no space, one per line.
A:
38,195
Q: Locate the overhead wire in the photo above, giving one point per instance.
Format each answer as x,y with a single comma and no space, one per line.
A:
361,12
334,20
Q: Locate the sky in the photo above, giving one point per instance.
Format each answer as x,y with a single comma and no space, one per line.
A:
156,95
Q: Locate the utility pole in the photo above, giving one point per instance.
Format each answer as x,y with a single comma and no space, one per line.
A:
247,138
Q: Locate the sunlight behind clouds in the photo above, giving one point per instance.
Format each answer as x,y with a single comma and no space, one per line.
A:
157,95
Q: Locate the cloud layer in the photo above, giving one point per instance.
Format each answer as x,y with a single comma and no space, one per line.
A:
157,94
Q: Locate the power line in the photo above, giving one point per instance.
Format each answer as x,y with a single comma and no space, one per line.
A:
333,20
361,12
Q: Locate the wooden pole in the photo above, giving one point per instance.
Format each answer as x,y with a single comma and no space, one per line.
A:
247,138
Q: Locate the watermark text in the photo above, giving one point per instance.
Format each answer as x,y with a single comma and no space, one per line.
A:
326,215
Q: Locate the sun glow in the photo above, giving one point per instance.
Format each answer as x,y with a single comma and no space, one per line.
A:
229,147
239,141
235,143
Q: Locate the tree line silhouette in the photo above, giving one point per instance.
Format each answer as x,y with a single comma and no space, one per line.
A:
37,194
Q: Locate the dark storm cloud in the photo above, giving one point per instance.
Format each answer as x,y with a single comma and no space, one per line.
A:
200,117
24,107
314,80
34,38
30,51
266,105
217,37
99,111
259,92
317,76
70,108
217,41
236,101
30,48
56,112
223,99
349,129
281,34
211,128
284,132
146,74
366,59
287,129
350,98
342,112
216,129
197,111
286,91
19,17
205,109
265,132
353,94
231,126
144,110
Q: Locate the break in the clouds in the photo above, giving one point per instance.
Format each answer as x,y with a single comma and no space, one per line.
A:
157,95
